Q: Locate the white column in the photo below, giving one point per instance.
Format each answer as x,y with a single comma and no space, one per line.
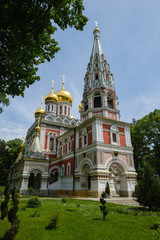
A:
42,138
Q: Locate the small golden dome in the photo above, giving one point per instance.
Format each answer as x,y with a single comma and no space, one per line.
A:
80,107
96,29
71,117
51,97
64,95
40,110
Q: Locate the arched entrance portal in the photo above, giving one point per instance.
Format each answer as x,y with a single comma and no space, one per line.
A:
117,179
85,177
35,179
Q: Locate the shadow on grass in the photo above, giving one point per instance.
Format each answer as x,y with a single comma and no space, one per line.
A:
97,219
71,210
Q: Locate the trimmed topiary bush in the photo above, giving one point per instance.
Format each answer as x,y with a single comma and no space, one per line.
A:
13,217
103,207
4,205
34,203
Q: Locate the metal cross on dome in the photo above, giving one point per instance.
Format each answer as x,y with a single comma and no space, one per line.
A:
96,23
52,84
63,76
42,100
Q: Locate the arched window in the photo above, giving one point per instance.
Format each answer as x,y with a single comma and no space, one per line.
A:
68,169
65,110
48,107
97,100
114,135
110,101
51,144
52,108
84,137
68,111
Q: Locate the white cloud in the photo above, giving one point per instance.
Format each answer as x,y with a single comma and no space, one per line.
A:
10,130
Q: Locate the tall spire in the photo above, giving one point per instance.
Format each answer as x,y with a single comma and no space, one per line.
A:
98,70
99,96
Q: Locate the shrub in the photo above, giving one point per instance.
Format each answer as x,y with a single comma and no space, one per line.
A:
34,203
30,190
103,207
155,226
53,222
36,214
107,189
4,205
64,200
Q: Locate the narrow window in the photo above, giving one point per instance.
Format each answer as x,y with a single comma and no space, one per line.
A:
97,100
51,144
85,140
86,106
60,109
114,137
48,107
65,110
68,111
96,76
52,108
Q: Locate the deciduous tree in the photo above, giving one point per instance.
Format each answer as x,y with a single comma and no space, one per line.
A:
26,38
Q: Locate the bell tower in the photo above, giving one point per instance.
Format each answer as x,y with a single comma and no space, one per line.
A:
99,96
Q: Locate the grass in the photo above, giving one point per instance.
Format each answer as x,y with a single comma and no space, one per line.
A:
82,220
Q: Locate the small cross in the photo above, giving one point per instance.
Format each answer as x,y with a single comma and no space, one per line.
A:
96,23
53,84
42,100
63,76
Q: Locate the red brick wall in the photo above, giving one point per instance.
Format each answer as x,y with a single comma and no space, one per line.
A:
106,137
122,140
89,138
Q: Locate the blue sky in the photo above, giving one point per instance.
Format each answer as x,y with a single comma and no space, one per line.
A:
130,38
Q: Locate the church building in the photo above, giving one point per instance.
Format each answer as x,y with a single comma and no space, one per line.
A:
69,157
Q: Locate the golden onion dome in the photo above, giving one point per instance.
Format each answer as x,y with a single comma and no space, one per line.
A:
80,107
64,95
51,97
40,110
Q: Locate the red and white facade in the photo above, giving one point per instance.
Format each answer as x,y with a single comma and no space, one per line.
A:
80,157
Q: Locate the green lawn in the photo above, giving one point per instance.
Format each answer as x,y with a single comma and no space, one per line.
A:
82,220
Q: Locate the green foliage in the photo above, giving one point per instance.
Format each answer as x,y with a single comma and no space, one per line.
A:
2,191
13,217
4,101
34,203
30,190
157,234
155,226
103,207
147,190
107,189
64,200
4,204
26,38
145,134
8,154
53,222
